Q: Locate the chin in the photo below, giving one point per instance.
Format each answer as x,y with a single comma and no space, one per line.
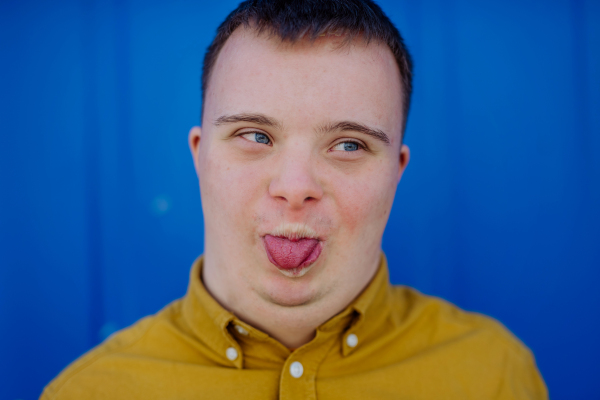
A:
290,288
290,299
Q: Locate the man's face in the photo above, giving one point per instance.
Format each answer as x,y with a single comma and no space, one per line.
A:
298,141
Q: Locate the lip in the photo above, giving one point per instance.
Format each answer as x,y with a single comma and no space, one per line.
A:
305,266
294,233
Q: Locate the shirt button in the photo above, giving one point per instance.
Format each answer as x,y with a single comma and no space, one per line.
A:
352,340
231,353
241,330
296,369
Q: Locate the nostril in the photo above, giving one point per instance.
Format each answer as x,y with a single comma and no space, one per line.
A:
295,189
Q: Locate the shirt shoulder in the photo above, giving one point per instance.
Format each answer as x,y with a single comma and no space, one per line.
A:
445,321
154,336
470,342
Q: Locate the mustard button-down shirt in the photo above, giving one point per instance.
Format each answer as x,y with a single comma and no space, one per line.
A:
390,343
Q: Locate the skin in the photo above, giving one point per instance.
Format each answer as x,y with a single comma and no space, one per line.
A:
302,175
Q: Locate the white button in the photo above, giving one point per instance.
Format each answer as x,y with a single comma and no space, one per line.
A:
241,330
231,353
352,340
296,369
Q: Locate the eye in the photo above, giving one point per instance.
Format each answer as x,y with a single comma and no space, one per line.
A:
257,137
347,146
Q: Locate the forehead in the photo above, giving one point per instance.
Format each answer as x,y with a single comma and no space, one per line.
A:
307,81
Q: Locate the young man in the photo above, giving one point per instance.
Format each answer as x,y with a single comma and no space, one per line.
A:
298,157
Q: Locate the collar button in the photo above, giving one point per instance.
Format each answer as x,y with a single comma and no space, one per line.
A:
352,340
241,330
231,353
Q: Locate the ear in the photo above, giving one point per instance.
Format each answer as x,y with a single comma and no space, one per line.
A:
194,143
404,158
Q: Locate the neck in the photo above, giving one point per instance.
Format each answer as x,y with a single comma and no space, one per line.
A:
292,326
289,331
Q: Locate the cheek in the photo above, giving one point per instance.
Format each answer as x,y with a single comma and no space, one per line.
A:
364,201
228,189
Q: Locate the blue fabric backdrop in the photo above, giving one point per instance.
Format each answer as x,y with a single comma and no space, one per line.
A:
100,217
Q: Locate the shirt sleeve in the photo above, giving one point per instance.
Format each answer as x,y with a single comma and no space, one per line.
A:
521,379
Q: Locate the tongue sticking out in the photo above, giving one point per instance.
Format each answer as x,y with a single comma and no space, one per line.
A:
287,254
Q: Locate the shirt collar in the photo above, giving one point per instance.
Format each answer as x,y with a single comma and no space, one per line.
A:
366,312
205,316
209,321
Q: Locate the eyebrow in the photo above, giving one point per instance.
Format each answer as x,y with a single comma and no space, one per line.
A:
260,119
357,127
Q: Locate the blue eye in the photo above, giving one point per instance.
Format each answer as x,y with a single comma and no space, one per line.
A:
350,146
347,146
262,138
257,137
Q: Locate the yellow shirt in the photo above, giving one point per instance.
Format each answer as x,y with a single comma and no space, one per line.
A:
392,342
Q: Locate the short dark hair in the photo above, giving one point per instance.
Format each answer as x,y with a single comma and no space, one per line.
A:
292,20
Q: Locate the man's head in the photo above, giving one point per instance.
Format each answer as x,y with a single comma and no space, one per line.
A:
292,21
298,158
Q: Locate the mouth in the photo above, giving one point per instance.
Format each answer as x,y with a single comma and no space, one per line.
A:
293,256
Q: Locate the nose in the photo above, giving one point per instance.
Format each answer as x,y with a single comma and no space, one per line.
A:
294,181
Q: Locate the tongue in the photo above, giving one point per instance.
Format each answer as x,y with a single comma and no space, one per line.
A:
288,254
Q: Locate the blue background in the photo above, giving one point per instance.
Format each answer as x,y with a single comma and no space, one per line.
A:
100,216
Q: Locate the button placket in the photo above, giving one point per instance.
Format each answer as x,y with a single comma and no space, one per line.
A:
298,378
